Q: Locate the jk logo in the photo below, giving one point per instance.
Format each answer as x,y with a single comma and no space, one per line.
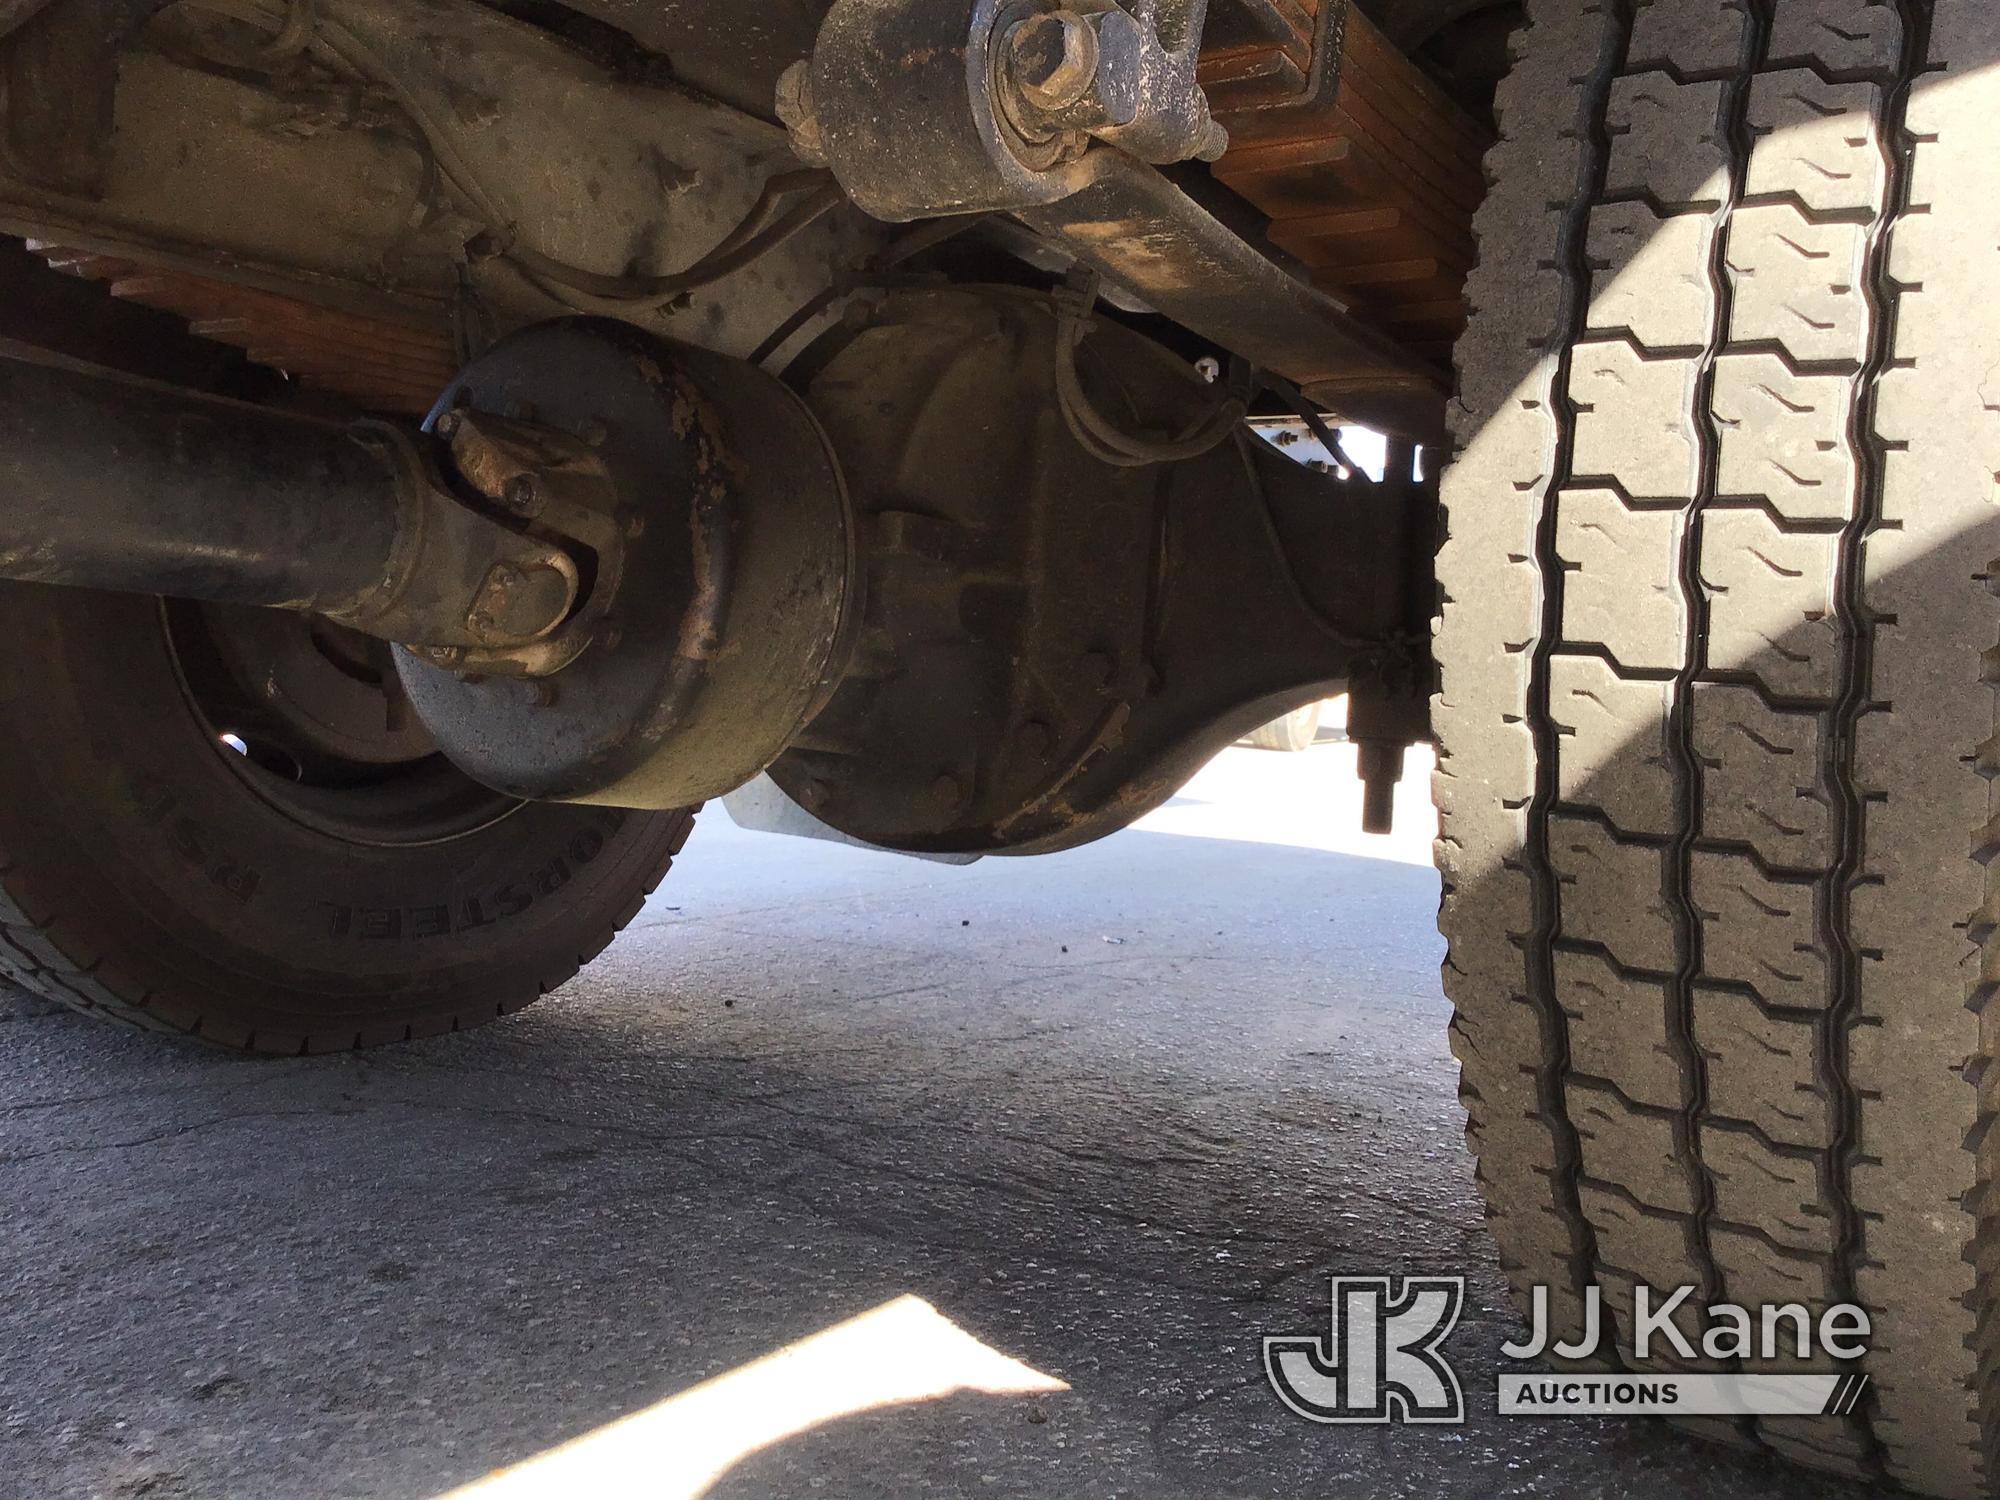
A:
1380,1361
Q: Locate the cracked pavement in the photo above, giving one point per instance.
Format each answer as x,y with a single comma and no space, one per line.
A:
1115,1113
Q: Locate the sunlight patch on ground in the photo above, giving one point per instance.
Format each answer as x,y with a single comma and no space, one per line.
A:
901,1352
1310,800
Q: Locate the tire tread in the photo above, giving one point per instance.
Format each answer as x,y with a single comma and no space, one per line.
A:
1710,535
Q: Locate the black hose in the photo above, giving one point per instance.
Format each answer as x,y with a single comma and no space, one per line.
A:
1098,434
926,236
624,295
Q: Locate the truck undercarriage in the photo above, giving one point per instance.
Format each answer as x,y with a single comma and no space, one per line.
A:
444,442
369,197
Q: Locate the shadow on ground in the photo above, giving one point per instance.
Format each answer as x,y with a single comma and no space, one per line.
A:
1115,1113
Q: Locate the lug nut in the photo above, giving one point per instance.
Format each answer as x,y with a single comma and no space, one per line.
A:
1053,59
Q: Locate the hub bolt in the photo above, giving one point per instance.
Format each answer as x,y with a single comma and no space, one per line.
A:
524,497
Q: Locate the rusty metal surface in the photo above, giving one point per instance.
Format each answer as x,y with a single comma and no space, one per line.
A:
320,188
1369,173
1142,232
739,63
395,368
114,483
728,615
1261,53
1052,644
306,227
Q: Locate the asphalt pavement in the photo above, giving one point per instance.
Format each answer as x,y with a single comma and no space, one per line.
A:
840,1174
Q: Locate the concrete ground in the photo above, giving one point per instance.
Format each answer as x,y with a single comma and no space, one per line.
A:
1020,1162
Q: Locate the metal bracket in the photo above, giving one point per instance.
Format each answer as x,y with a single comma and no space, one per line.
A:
922,109
1055,113
1093,70
1142,232
554,483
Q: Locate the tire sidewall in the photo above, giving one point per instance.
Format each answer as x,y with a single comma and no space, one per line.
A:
150,851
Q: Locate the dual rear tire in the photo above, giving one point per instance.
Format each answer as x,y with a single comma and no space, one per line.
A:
178,853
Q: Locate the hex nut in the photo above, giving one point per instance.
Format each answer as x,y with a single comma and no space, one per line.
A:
524,496
1052,59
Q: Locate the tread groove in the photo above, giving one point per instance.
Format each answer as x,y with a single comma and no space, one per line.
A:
1573,260
1718,765
1856,649
1688,770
